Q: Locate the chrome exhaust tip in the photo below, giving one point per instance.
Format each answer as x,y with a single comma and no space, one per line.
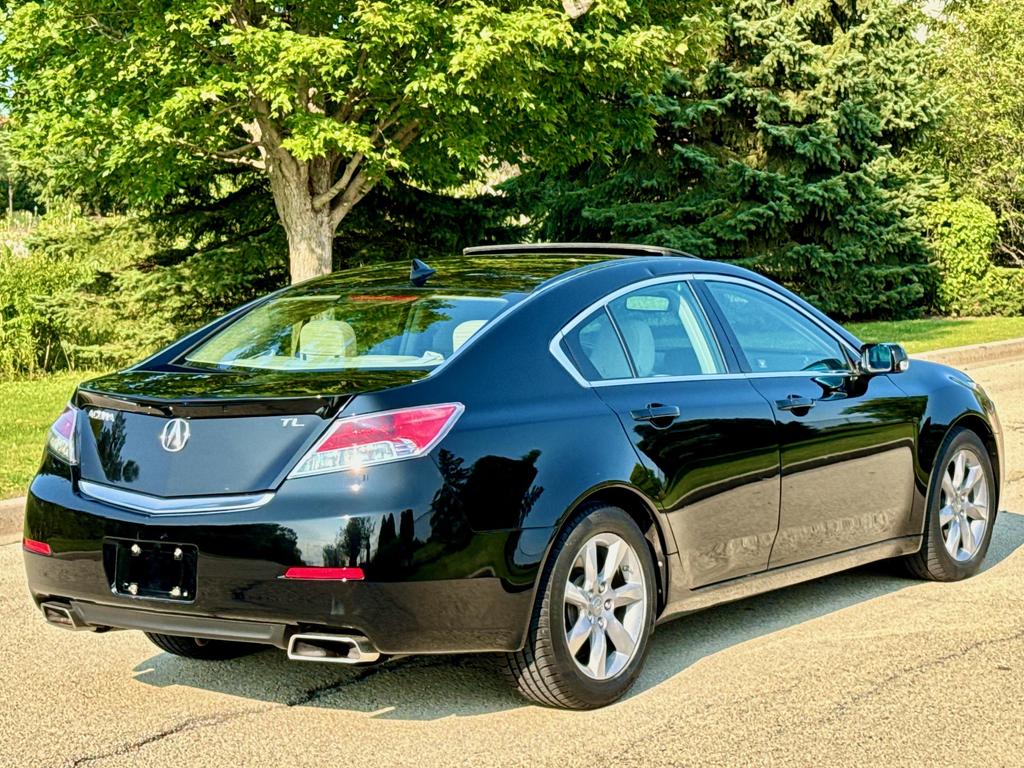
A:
339,649
62,615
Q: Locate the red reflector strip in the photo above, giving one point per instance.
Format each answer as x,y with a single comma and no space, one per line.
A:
330,574
381,298
39,547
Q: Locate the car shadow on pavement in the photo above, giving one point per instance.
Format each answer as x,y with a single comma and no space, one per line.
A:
433,687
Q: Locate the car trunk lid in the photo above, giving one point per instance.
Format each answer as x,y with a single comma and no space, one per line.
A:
185,433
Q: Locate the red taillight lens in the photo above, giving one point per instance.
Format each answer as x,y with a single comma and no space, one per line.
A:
378,438
330,574
61,440
39,547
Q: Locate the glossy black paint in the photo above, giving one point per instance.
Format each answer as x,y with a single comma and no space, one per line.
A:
453,544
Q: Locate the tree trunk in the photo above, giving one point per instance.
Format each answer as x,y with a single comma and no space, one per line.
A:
310,232
310,246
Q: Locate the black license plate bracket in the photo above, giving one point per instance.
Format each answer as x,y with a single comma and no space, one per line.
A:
155,569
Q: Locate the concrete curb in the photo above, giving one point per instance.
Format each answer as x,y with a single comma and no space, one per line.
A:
974,354
12,514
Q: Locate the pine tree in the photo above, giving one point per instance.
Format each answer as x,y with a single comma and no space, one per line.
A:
784,154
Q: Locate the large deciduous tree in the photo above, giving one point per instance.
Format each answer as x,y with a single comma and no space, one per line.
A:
131,102
785,155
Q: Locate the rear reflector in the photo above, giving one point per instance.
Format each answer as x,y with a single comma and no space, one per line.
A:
378,438
328,574
39,547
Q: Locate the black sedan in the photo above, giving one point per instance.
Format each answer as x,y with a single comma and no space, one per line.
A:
541,451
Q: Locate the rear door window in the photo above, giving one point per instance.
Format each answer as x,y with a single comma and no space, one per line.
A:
666,332
595,348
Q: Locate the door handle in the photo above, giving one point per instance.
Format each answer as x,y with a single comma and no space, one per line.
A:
796,403
656,412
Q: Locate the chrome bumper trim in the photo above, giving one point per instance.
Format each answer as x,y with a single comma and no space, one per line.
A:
181,505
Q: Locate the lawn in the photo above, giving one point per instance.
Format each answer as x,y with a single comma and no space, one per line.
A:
940,333
29,407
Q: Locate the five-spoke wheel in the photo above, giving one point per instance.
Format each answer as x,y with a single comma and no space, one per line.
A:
595,613
962,504
605,606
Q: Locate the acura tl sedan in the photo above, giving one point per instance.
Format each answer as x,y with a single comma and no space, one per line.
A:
537,451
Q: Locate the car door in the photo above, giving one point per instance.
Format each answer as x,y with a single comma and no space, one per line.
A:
846,438
705,437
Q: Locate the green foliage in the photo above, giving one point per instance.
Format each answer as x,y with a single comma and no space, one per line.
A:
128,104
99,292
980,144
784,155
964,232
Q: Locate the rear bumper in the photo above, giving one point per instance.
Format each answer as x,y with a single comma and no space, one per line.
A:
470,592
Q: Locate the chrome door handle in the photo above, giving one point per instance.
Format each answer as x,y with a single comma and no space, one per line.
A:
795,403
655,412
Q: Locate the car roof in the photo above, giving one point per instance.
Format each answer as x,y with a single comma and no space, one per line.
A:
518,268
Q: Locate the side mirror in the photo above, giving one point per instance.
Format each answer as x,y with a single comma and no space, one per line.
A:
883,358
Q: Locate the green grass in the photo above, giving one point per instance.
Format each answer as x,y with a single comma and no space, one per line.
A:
29,408
940,332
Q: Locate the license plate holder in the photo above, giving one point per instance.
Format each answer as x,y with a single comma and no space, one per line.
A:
156,570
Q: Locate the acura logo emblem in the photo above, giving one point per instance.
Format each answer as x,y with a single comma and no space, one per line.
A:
174,435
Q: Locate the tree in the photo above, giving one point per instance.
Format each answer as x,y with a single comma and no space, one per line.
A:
980,144
130,103
785,154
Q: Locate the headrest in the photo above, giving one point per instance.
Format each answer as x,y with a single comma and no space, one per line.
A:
640,341
327,338
464,330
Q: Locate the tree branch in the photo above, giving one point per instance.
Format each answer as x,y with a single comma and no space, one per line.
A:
323,199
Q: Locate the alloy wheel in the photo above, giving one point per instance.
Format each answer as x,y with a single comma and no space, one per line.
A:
963,505
605,606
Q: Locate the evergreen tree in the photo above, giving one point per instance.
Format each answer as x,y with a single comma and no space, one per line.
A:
784,154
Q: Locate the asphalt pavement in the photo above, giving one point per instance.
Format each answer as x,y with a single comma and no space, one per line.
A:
864,668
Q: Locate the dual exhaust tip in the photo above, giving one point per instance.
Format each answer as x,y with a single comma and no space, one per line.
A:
339,649
306,646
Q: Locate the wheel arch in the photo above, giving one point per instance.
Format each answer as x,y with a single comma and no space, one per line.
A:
979,426
644,513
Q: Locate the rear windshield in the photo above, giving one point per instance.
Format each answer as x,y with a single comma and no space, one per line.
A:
348,331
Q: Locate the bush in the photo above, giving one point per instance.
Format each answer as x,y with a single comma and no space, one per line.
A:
90,292
964,233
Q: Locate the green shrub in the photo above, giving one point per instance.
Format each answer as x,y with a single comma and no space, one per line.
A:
90,293
963,234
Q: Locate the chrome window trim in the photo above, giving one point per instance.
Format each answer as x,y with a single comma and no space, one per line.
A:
555,346
182,505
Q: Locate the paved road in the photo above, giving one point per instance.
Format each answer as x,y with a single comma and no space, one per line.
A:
858,669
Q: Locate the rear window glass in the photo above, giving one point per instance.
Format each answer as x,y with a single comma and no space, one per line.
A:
348,331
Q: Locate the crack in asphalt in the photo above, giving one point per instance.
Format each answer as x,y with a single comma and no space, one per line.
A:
308,696
842,708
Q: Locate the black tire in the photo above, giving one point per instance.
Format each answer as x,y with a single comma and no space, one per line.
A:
544,671
198,648
933,561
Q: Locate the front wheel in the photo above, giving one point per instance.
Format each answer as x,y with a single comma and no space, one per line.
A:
198,648
962,503
594,614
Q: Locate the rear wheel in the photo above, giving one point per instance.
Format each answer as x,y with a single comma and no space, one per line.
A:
198,648
594,614
962,503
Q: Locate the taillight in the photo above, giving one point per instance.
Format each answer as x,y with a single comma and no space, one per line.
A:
61,440
314,573
379,438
